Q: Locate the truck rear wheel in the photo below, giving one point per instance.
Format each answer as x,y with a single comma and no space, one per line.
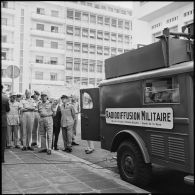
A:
132,167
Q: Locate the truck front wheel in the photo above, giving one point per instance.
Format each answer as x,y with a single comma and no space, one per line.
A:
132,167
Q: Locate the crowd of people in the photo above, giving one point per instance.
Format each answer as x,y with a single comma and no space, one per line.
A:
35,121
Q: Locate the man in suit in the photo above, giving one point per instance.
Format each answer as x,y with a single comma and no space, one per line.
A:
4,109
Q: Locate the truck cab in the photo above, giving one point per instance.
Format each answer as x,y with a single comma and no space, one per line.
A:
143,110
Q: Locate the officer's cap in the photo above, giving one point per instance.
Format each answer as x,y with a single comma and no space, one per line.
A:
13,94
19,95
64,97
44,93
36,93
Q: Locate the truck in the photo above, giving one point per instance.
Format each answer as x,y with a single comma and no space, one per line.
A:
144,109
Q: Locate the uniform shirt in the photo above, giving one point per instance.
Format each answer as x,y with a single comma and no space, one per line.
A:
45,109
28,103
13,114
68,115
36,102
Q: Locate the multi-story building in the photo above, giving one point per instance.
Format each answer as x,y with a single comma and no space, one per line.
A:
61,46
151,17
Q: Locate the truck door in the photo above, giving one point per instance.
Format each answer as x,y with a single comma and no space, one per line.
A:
90,114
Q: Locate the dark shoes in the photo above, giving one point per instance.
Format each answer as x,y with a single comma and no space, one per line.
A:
30,148
34,144
56,148
89,151
68,149
42,151
24,148
18,147
74,144
49,152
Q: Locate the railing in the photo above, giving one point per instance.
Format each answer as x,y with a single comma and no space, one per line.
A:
43,14
47,31
47,62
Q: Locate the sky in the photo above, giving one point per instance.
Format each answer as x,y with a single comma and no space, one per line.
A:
124,4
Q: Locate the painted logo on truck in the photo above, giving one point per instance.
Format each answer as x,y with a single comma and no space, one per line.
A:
142,117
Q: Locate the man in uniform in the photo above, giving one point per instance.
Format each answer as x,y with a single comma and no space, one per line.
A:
4,109
27,120
13,121
35,131
46,112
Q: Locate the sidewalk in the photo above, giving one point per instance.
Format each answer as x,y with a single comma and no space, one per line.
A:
38,173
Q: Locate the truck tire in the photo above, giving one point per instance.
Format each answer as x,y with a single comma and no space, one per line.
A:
131,165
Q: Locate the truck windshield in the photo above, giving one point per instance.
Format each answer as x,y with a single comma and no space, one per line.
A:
87,101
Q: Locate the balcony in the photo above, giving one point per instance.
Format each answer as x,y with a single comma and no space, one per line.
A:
47,18
8,27
47,82
49,34
47,65
7,45
47,49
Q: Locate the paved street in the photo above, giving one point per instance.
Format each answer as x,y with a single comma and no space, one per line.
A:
30,172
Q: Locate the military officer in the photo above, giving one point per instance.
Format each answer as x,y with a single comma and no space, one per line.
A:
35,131
46,112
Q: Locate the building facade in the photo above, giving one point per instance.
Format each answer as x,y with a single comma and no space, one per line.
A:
151,17
61,46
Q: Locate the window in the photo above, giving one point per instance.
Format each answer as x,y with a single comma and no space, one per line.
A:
54,45
100,35
85,32
163,90
87,100
84,48
89,4
53,76
84,65
114,22
99,50
38,75
41,11
92,66
69,46
3,73
54,13
77,80
69,79
127,25
53,60
113,51
69,63
98,81
3,55
77,62
107,21
106,36
69,30
40,27
93,19
120,23
92,33
106,51
120,51
92,49
4,38
100,20
77,31
92,81
54,29
77,15
4,21
84,81
103,7
173,29
123,12
77,47
110,9
99,66
85,17
154,39
127,39
39,43
120,38
4,4
70,14
39,59
113,37
97,6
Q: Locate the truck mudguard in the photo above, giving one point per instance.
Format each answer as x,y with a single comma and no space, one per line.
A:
138,140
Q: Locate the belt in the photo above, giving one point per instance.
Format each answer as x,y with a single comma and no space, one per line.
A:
46,116
29,111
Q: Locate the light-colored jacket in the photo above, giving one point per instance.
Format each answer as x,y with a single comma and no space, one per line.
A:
67,115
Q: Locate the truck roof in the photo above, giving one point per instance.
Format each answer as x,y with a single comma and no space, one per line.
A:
172,70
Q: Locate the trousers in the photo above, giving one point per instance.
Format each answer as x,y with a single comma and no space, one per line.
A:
14,129
35,130
56,132
67,136
27,125
46,129
3,142
21,130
